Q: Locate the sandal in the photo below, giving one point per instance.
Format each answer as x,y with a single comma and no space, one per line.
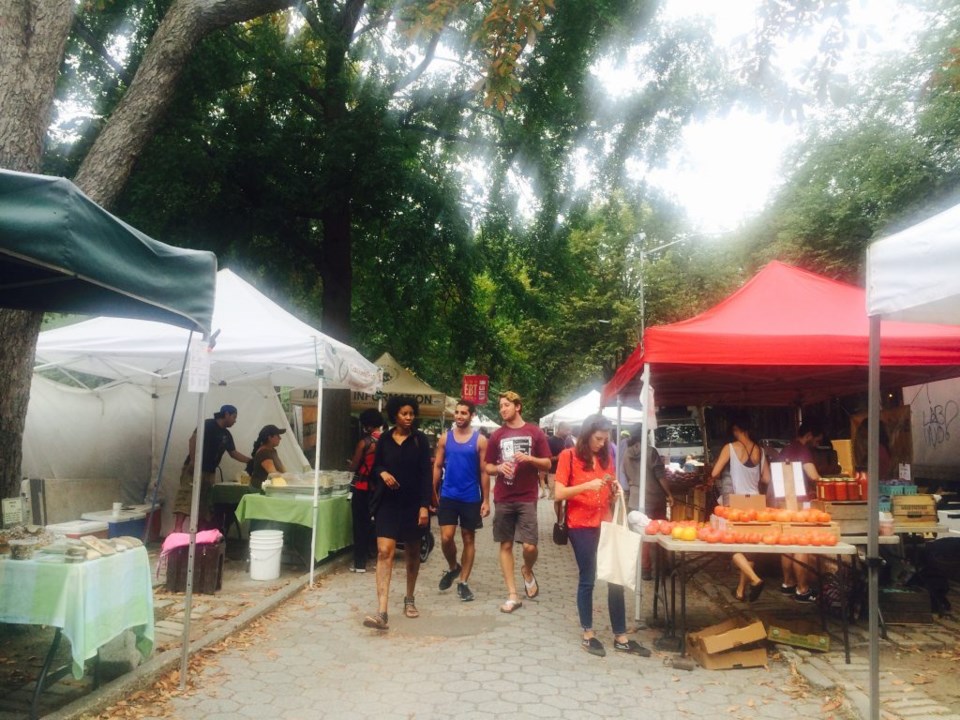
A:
530,587
409,609
510,605
377,621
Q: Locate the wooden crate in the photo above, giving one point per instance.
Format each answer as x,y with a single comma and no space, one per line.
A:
795,528
914,510
850,515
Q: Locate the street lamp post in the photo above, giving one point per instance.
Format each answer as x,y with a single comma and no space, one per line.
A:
643,254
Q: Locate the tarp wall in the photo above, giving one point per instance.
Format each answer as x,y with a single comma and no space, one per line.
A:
119,432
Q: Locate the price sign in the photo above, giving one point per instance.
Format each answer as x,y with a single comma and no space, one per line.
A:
198,371
474,388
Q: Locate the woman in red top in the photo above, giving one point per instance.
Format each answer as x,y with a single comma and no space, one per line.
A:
361,464
585,480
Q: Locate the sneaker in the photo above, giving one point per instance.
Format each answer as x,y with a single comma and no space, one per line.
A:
788,589
594,647
358,570
463,592
446,580
808,597
632,647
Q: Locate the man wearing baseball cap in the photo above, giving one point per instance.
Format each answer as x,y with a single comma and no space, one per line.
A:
217,440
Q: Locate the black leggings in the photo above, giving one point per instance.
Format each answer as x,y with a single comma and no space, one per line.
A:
362,527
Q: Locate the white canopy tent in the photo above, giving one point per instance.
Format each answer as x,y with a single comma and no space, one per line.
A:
258,343
576,410
912,276
482,422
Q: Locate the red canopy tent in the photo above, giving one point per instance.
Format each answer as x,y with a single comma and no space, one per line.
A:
786,337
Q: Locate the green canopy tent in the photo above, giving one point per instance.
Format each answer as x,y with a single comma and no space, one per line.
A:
61,252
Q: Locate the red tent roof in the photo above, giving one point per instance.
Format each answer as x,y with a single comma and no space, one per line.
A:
787,336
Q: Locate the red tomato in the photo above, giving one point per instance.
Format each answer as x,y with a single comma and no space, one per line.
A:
785,540
652,528
830,540
770,539
750,515
666,527
735,515
727,537
713,536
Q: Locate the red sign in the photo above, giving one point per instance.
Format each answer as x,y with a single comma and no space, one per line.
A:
474,388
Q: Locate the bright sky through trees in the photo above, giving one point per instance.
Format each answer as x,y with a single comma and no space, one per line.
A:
728,167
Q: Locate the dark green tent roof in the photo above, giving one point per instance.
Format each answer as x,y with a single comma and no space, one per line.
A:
61,252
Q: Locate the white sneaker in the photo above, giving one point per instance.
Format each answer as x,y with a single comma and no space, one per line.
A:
358,570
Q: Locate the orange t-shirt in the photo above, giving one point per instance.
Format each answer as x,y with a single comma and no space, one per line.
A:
588,509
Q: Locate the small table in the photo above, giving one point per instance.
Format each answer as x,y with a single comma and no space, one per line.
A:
705,553
224,500
91,602
334,519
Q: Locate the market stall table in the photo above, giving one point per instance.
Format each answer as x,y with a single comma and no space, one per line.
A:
224,499
333,518
705,553
90,602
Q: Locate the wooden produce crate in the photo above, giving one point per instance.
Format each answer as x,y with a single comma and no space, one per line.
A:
914,510
794,528
851,515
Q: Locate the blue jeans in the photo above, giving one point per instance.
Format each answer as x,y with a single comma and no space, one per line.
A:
584,542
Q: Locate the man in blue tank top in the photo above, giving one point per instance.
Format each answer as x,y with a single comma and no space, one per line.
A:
464,495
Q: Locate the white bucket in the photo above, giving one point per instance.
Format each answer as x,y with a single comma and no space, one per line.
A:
265,549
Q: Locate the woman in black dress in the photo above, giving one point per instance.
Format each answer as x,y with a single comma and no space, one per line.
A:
403,470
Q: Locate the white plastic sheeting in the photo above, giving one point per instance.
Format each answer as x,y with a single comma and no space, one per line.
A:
119,432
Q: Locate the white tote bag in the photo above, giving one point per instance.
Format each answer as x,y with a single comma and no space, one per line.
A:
618,550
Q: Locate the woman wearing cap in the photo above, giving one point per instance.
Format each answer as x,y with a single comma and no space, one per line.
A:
585,480
265,458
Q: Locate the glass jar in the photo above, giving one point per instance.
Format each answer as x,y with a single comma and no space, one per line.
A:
826,489
853,489
841,490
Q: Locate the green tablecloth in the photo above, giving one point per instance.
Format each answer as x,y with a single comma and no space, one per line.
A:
93,601
334,521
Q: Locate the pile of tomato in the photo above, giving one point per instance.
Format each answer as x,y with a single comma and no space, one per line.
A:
691,530
772,515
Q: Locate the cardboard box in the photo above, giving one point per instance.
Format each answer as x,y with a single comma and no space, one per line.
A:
844,450
721,647
749,527
799,634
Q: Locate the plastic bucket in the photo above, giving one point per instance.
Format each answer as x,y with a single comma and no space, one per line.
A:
265,549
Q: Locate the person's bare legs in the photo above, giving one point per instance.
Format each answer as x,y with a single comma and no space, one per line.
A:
411,551
802,574
386,549
448,544
747,574
530,554
469,552
180,519
789,575
507,568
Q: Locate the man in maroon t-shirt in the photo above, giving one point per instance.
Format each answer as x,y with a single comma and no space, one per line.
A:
516,453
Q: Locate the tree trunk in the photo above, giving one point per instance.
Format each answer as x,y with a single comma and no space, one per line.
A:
33,34
32,38
106,168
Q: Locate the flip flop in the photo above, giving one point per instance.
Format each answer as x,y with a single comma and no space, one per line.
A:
510,605
531,588
755,590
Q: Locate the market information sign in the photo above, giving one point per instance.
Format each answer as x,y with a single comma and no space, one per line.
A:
474,388
198,371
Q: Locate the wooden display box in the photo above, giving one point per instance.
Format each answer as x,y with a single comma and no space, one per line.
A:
914,510
749,527
798,634
850,515
207,568
748,502
791,529
721,646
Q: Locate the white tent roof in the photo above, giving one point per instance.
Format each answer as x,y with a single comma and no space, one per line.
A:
258,341
576,410
397,380
482,421
914,275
